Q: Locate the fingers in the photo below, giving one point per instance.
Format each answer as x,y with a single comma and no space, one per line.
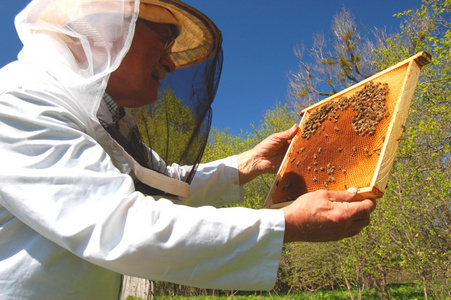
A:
342,196
352,233
289,133
292,131
357,211
327,216
359,215
350,195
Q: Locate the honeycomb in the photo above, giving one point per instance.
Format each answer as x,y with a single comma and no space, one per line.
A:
347,140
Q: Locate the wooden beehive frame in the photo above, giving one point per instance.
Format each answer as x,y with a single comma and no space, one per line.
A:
402,79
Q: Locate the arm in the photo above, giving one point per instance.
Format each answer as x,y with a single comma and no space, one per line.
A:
216,183
61,183
220,182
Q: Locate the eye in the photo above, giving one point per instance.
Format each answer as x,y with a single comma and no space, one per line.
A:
163,42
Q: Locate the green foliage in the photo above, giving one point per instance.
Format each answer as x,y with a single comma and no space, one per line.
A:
397,292
168,126
415,212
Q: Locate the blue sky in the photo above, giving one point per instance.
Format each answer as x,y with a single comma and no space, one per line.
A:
259,38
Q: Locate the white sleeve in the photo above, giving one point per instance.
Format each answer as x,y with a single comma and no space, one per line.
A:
216,183
61,183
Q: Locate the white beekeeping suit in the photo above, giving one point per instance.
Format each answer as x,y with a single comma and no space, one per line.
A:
71,220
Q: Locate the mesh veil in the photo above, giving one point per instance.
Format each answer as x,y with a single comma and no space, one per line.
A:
175,128
177,125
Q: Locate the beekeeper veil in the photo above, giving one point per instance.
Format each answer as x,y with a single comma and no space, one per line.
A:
89,39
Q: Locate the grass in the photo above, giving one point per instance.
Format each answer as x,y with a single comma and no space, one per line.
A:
397,292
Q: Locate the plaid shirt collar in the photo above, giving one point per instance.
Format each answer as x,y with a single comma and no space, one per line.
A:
116,112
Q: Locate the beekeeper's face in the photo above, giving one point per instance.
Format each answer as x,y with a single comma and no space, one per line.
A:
136,81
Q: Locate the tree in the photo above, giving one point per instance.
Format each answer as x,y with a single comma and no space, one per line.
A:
420,186
330,69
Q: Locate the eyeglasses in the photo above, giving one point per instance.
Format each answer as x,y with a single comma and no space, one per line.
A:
168,47
162,30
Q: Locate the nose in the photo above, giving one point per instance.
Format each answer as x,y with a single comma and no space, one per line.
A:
168,63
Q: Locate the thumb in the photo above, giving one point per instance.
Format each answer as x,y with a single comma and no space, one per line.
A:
343,196
289,133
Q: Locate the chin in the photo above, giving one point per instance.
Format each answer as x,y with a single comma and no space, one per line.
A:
143,101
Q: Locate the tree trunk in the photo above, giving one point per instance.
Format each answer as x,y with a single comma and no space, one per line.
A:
426,297
349,288
135,287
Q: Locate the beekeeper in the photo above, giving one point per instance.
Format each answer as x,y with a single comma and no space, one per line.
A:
88,193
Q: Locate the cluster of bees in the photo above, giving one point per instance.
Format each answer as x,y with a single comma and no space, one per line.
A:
328,111
369,104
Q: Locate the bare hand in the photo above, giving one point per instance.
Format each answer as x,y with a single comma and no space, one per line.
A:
266,157
323,216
